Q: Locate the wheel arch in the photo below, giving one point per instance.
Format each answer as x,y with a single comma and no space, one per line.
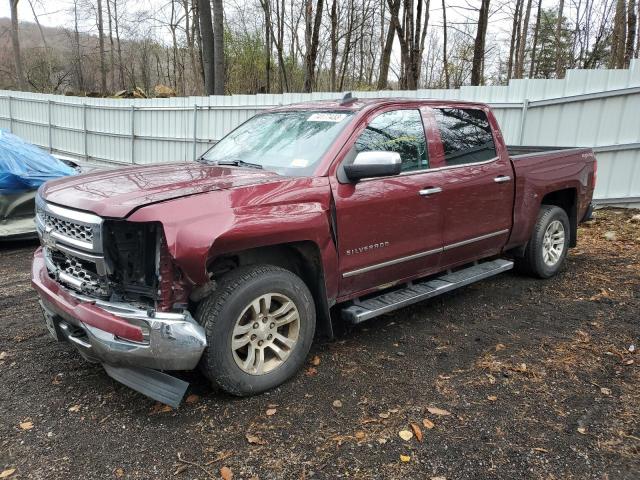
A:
567,199
302,258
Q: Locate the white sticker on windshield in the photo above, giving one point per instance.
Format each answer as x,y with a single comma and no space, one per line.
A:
327,117
299,162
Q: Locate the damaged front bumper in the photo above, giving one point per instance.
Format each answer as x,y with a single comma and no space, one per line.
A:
125,339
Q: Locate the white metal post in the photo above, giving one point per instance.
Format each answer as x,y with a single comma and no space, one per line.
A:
10,115
523,118
85,133
50,126
195,130
133,133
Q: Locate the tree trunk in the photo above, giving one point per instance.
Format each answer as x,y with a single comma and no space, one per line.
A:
267,49
112,62
445,60
15,41
523,41
206,32
103,61
218,46
559,53
78,59
334,45
312,32
631,33
478,48
535,40
116,22
44,44
385,59
512,43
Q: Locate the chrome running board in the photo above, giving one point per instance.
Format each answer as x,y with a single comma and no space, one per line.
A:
361,310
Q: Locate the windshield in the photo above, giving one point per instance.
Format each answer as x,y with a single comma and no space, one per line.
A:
288,143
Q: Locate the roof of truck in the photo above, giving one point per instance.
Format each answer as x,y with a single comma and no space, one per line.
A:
354,104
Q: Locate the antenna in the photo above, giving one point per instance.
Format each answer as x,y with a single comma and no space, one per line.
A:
347,99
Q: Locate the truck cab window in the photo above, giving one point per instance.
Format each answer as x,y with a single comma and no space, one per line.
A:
466,135
398,131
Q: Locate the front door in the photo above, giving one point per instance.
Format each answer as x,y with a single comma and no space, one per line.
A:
390,228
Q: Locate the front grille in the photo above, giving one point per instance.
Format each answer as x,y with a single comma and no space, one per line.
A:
70,229
73,248
78,274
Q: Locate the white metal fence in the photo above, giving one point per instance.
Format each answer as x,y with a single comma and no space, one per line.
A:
591,108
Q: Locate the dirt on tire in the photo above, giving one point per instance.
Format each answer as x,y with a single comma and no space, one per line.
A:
509,378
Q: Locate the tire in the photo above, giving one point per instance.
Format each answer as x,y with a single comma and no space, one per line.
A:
231,310
538,259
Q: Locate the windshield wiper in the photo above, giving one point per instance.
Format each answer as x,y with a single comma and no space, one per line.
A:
238,163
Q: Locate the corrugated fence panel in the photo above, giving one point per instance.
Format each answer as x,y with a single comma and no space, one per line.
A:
595,108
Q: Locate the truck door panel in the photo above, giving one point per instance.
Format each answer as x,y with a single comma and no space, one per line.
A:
477,188
387,230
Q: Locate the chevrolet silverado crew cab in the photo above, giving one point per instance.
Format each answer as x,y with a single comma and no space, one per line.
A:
342,209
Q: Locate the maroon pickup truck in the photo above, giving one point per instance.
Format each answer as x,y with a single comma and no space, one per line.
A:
337,209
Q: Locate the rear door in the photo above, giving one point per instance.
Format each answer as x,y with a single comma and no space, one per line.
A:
388,230
477,184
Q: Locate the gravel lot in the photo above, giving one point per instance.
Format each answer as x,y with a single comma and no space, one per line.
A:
529,379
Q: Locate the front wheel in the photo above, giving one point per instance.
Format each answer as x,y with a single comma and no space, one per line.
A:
260,323
549,243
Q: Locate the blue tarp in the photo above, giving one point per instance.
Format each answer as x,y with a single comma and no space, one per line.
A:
24,166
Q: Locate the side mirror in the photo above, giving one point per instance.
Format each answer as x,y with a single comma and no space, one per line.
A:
373,164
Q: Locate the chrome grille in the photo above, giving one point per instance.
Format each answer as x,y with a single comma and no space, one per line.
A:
77,274
72,243
69,229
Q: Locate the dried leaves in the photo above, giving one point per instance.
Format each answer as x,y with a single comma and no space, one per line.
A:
416,431
226,473
254,439
438,411
26,425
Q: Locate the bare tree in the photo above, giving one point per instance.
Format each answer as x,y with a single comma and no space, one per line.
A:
385,59
103,63
112,63
478,48
411,34
445,59
631,32
311,36
514,35
559,56
15,41
523,42
535,40
206,31
218,46
618,37
116,24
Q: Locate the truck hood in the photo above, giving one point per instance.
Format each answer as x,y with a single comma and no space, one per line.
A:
116,193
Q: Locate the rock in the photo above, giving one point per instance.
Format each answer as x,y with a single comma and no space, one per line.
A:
162,91
611,236
636,218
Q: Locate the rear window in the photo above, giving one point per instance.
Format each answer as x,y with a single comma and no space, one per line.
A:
466,135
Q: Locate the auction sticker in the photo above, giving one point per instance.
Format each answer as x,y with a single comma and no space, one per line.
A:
299,162
327,117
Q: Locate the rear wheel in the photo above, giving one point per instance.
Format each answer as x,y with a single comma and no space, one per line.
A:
547,248
259,323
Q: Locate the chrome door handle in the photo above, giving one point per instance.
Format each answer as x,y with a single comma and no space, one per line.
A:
430,191
502,179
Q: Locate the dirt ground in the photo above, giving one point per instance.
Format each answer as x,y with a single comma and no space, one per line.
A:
510,378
